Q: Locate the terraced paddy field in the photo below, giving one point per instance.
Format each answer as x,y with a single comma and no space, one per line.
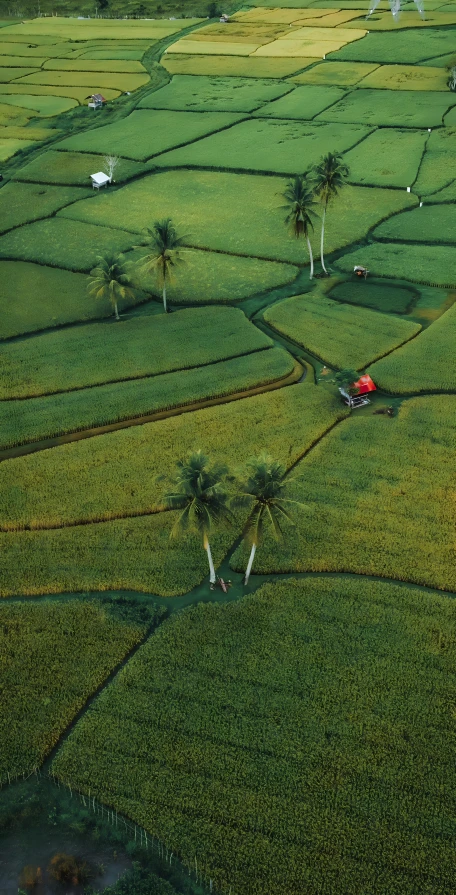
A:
297,739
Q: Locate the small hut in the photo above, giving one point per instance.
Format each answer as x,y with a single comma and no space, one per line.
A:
224,18
360,390
360,271
96,101
100,179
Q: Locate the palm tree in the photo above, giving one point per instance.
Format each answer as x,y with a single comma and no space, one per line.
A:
328,177
164,244
110,280
300,204
198,491
264,492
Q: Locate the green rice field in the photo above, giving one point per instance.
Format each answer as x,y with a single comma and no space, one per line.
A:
174,445
343,336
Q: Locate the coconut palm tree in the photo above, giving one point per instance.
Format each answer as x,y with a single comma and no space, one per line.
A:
199,492
264,492
164,245
110,280
300,205
328,178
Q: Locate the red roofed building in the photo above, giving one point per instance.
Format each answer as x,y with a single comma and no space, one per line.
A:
364,385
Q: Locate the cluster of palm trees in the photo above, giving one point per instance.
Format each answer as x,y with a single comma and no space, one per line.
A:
113,277
206,497
303,193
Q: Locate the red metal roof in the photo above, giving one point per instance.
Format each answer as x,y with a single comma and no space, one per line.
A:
365,385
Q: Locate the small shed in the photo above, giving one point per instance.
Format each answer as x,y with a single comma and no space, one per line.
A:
99,179
96,101
364,385
224,18
360,271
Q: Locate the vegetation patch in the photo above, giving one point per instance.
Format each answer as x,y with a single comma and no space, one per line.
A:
54,656
424,365
57,28
146,133
256,729
337,74
343,336
39,418
434,264
116,474
127,554
404,47
205,94
37,297
387,484
116,81
77,93
438,165
387,158
87,65
388,108
43,105
302,103
207,47
9,147
21,203
63,243
406,77
282,147
9,74
431,223
239,213
129,349
389,299
73,168
226,66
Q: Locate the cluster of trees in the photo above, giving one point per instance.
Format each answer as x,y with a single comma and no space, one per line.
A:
206,497
303,193
112,278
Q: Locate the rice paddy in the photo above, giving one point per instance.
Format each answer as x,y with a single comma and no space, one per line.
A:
209,122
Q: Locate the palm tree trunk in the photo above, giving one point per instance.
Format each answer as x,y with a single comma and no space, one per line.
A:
209,557
116,311
164,298
311,258
322,243
250,564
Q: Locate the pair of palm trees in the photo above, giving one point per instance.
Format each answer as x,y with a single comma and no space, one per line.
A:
302,196
111,279
200,493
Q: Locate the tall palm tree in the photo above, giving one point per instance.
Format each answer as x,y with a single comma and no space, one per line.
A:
300,205
199,492
164,245
264,492
328,177
110,280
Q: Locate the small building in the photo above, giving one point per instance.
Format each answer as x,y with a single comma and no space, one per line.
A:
99,179
96,101
363,386
224,18
360,271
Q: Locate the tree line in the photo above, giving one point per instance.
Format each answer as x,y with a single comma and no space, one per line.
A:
112,278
